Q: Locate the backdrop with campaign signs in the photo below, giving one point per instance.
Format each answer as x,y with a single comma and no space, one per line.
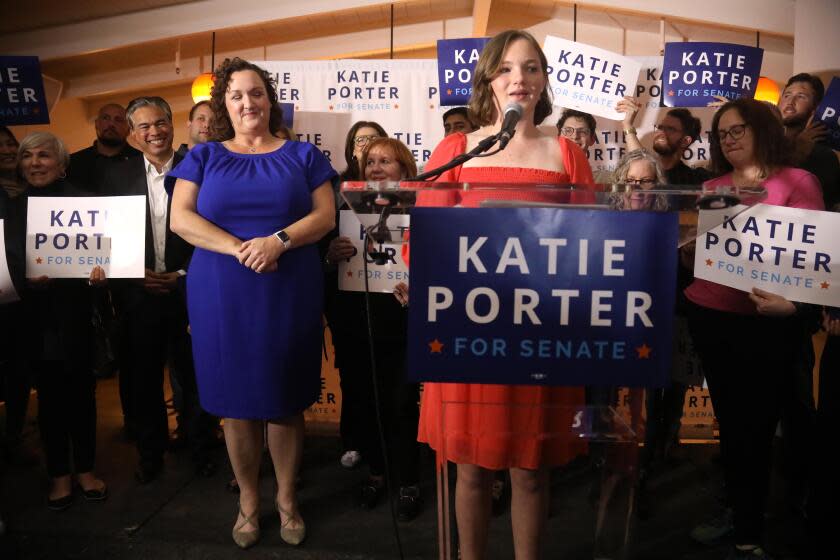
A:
694,73
22,99
315,89
66,237
787,251
8,293
381,277
456,60
541,296
828,113
329,96
588,78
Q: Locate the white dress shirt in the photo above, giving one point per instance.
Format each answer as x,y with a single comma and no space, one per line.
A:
158,203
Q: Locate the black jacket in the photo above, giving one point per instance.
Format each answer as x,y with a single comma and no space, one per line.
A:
127,178
56,317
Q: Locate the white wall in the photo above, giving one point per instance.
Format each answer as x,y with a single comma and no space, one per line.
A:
817,48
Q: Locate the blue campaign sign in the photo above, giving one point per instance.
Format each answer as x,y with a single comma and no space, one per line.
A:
288,114
828,113
22,99
456,60
541,296
692,73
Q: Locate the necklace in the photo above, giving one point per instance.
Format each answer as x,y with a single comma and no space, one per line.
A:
251,149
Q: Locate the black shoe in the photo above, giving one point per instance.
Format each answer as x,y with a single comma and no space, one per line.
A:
371,493
147,473
206,468
95,495
60,504
408,505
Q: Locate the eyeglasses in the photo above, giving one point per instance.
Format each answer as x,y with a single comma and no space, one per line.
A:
363,140
736,132
643,181
667,129
571,131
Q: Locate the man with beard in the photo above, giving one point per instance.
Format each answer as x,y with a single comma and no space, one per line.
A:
800,98
87,166
804,425
198,126
672,136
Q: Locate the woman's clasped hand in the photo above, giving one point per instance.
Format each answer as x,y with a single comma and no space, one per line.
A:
261,253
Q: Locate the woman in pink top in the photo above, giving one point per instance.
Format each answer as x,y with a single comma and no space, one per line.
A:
749,342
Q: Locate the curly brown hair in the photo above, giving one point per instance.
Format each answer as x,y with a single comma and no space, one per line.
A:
222,128
482,106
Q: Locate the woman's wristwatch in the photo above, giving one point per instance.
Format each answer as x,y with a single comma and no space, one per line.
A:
284,238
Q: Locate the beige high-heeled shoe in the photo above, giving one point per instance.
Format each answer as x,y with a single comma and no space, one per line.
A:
292,536
246,539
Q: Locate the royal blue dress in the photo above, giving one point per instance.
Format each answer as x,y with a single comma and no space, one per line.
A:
256,337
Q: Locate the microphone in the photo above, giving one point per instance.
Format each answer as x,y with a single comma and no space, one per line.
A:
513,112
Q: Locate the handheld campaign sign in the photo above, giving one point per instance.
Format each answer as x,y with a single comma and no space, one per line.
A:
587,78
693,73
787,251
7,288
541,296
381,277
456,60
288,110
828,113
22,99
66,237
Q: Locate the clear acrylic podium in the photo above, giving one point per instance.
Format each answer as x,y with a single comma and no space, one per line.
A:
591,498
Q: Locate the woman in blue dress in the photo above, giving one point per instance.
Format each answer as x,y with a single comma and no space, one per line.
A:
254,204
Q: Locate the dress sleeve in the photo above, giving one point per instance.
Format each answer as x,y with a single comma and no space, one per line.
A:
191,168
318,168
453,145
575,162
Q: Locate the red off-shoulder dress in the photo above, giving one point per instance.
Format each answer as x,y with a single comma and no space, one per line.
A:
501,426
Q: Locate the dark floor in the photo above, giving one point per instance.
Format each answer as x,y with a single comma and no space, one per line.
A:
184,516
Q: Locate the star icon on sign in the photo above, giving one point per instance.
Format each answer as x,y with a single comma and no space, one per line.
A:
396,105
431,106
708,262
331,107
435,347
824,285
297,107
39,260
349,274
670,93
643,351
449,92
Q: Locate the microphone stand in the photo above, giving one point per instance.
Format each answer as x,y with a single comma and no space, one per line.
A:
379,231
482,147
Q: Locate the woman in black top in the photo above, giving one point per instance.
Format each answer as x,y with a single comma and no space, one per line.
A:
58,333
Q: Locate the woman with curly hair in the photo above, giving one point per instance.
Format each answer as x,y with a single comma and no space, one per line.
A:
254,204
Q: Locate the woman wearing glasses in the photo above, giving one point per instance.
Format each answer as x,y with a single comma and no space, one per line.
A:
748,342
336,248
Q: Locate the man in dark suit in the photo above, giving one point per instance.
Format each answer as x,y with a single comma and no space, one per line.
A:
153,310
